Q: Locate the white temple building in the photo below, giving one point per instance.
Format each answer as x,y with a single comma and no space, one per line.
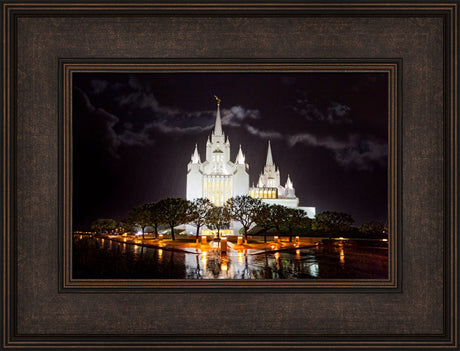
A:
219,179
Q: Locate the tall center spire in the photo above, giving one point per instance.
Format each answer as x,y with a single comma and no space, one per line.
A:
269,161
218,125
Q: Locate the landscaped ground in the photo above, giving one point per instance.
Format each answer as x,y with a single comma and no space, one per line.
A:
181,242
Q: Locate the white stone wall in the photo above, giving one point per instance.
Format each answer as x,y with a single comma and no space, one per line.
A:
311,211
194,183
240,181
292,203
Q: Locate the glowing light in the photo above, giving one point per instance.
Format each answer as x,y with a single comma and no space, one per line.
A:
223,244
384,239
341,238
297,252
160,236
297,239
277,255
224,266
342,256
273,247
240,240
160,253
139,233
204,257
240,257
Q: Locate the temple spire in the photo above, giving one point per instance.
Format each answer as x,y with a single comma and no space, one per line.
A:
196,155
289,183
269,161
218,125
240,157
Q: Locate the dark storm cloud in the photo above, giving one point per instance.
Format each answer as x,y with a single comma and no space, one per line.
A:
98,86
333,113
355,151
103,125
137,96
352,150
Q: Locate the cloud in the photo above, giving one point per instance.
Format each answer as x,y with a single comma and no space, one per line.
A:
98,86
103,128
138,98
264,134
156,118
333,113
171,120
355,151
337,110
237,114
170,129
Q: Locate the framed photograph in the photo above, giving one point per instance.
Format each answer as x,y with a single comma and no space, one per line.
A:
230,176
205,214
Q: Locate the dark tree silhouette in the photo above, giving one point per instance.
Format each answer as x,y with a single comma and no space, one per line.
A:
156,216
278,213
141,217
174,212
332,223
243,209
103,225
197,212
263,218
373,229
294,218
218,218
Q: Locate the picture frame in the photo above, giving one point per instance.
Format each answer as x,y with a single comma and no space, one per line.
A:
43,308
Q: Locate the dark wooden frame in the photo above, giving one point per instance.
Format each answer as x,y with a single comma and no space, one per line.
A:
42,308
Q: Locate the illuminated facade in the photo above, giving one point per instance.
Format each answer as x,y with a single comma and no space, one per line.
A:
270,191
219,179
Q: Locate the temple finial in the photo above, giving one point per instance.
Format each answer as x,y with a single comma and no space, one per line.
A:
269,160
218,124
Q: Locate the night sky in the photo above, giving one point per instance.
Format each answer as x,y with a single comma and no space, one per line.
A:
134,134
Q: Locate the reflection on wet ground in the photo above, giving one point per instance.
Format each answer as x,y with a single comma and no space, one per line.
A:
209,262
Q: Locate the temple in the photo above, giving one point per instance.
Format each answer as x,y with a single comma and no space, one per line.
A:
218,179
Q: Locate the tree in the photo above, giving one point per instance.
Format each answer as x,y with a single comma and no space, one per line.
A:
278,213
141,217
263,218
244,209
174,212
121,227
218,218
156,216
197,212
373,229
294,218
103,225
332,223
